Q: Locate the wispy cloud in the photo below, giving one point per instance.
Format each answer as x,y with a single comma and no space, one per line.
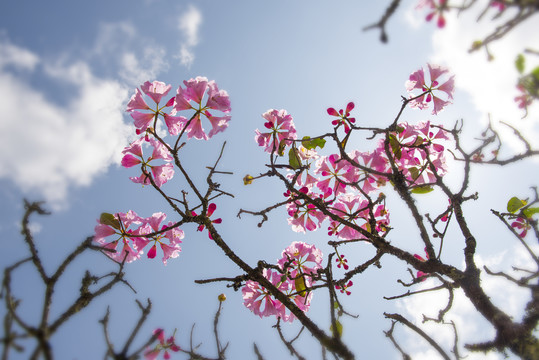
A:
490,85
189,24
138,58
54,147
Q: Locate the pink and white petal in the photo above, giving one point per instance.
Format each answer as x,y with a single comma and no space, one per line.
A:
195,88
137,102
174,124
436,71
194,129
156,90
142,120
129,160
170,252
218,124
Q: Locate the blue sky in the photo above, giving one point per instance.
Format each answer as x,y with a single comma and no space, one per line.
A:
67,70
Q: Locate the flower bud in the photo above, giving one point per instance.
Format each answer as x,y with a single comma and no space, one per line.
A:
221,297
247,180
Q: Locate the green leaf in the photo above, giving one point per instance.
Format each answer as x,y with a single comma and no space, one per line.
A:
519,63
280,150
529,212
422,189
309,143
535,73
293,158
109,219
414,172
300,285
395,146
418,141
514,204
337,332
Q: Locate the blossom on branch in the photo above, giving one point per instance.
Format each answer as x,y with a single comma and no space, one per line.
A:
195,91
343,117
302,258
211,209
335,170
436,9
118,227
282,131
163,345
161,173
169,232
133,239
417,82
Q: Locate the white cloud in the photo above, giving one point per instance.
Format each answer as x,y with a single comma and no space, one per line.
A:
47,147
189,24
135,71
137,57
11,55
491,86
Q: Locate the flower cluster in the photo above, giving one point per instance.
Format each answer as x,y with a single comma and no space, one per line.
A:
435,8
417,151
197,92
163,345
189,98
298,264
125,235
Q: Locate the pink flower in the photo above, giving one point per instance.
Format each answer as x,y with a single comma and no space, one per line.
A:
412,147
436,9
211,209
137,102
420,274
417,81
282,130
341,261
163,345
499,4
304,216
334,169
257,299
344,288
524,99
117,227
352,208
156,90
218,100
521,224
143,120
161,173
375,160
343,117
170,232
302,258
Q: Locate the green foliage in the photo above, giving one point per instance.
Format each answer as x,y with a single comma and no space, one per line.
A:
337,332
395,146
309,143
529,212
514,204
422,189
300,285
293,158
109,219
520,62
